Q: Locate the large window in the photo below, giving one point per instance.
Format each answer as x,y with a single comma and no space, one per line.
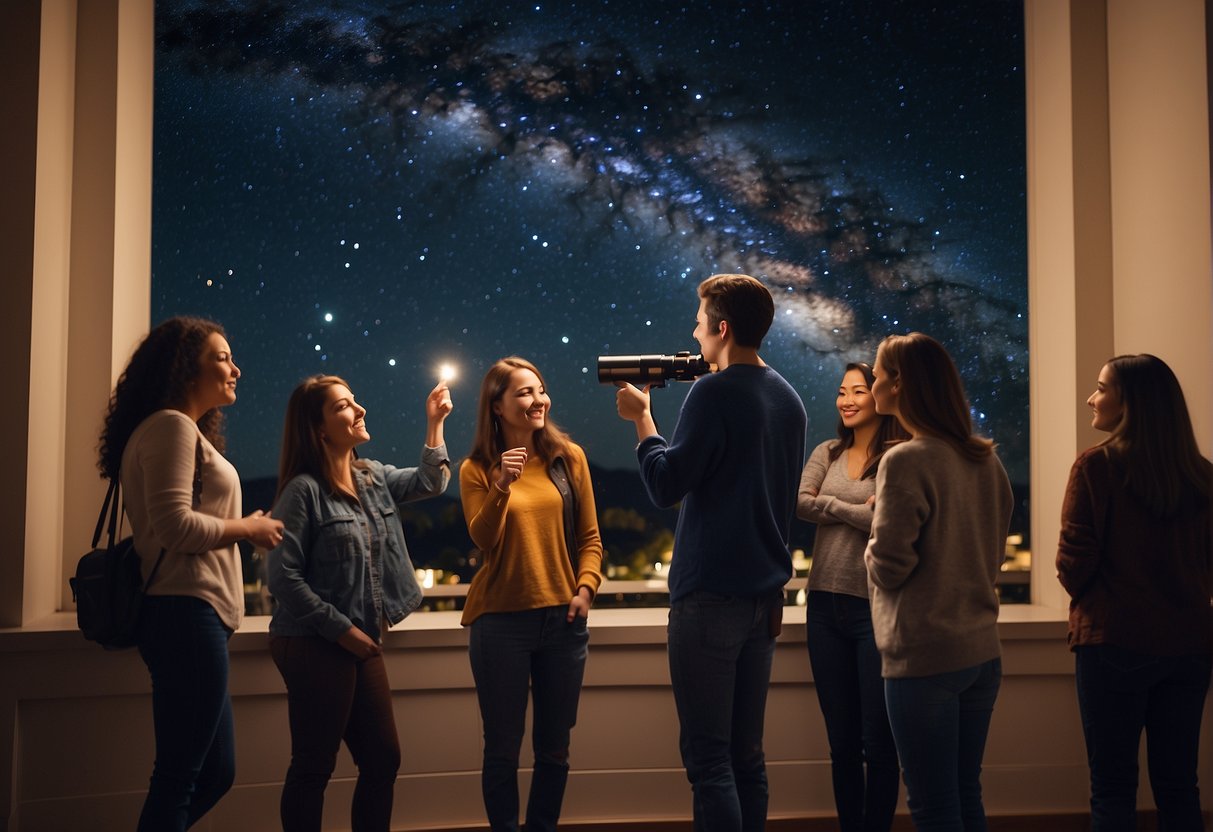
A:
374,188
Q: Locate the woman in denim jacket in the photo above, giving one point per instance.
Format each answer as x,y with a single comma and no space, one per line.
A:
341,577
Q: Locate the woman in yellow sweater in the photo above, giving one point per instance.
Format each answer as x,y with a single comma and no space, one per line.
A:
529,506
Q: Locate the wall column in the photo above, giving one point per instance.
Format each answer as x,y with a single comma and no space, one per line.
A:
19,75
1069,253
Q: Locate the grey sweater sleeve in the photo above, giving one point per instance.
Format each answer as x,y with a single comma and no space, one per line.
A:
856,515
821,502
901,510
810,486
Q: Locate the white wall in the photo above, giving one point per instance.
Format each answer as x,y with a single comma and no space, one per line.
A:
624,750
1159,117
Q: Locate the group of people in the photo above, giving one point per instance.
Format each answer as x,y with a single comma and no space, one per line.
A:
912,510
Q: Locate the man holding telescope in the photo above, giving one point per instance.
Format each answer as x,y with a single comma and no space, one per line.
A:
734,461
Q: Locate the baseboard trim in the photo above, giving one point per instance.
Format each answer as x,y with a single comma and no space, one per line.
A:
1066,822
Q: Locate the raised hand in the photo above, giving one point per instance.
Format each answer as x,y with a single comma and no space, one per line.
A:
512,462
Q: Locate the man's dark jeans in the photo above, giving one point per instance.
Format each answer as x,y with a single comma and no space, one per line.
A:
720,651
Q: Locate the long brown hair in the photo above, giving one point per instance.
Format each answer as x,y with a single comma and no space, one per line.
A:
888,429
489,443
932,396
158,376
303,448
1154,437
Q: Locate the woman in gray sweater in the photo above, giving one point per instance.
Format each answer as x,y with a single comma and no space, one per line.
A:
837,492
943,508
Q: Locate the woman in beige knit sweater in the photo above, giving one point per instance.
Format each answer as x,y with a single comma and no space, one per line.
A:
163,435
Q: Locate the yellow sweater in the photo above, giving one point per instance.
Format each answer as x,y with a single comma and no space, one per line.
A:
520,535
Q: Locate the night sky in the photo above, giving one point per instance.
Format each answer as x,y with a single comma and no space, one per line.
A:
371,189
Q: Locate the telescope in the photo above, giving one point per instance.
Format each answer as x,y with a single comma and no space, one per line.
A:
653,370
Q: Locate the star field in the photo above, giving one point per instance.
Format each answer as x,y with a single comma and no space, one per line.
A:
376,189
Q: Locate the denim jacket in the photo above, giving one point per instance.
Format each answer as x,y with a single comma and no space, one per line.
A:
320,574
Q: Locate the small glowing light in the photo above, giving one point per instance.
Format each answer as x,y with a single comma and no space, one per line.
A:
328,317
317,348
446,372
391,362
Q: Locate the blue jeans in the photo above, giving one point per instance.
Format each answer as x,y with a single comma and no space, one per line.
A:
940,723
184,645
720,650
1121,693
846,672
508,651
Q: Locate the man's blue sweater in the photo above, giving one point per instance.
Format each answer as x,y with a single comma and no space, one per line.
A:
735,463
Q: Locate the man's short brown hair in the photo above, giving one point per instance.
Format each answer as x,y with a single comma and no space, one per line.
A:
742,301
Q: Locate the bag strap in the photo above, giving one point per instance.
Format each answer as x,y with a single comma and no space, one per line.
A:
559,474
110,504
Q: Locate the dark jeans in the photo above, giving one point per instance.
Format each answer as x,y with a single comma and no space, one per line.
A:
508,651
940,723
184,645
720,650
333,696
1120,693
846,672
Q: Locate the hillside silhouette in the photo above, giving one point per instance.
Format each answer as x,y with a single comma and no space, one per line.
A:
635,533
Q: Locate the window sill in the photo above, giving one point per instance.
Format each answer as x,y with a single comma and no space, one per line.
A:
639,626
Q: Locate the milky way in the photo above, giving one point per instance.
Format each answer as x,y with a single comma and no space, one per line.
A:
370,189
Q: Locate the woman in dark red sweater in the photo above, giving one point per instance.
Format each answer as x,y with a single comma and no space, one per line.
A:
1135,555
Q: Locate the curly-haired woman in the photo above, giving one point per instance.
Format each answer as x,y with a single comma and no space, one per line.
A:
163,437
